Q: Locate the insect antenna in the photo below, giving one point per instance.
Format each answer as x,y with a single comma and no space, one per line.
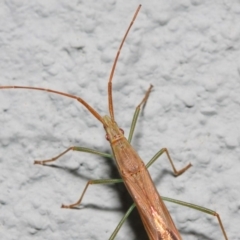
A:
110,101
84,103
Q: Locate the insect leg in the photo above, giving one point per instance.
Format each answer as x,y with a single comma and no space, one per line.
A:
136,113
81,149
199,208
122,221
159,153
90,182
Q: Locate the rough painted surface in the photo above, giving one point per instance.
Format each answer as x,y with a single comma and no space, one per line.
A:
189,51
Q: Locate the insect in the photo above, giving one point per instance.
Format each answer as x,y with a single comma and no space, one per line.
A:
153,212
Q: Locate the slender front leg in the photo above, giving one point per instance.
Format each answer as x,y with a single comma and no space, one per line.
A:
163,150
136,113
80,149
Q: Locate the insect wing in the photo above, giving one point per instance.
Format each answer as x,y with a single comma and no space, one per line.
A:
154,214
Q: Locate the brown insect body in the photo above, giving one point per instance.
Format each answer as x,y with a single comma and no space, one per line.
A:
154,214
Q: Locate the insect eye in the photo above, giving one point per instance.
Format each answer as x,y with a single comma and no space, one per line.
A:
107,137
121,130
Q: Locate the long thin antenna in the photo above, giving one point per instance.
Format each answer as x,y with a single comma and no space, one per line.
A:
110,100
90,109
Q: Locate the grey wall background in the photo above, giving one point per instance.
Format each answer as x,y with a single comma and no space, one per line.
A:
189,51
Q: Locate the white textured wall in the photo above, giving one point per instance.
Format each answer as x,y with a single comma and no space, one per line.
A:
189,51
